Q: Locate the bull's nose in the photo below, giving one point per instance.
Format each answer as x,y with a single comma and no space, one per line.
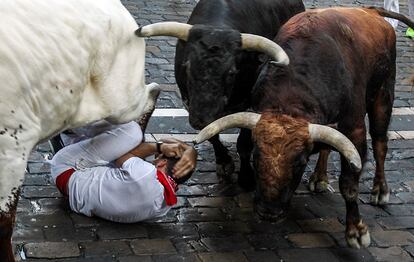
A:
269,212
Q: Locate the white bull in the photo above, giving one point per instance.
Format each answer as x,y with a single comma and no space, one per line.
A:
63,64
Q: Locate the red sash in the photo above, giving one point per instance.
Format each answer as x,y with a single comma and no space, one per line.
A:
62,181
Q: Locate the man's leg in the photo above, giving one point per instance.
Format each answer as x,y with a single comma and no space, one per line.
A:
99,150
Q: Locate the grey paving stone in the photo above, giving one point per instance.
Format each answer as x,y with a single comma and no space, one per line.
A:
200,214
321,225
40,191
69,233
176,258
400,210
121,231
188,245
25,234
352,254
396,222
203,178
57,219
226,244
52,250
222,257
242,214
282,227
152,246
169,230
37,168
105,248
406,197
410,250
135,259
222,229
37,180
268,241
392,238
84,221
211,202
261,256
196,190
390,254
311,240
299,255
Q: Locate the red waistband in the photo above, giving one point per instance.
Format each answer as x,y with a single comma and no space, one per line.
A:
62,181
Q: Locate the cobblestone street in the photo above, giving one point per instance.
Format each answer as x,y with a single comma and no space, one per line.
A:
215,221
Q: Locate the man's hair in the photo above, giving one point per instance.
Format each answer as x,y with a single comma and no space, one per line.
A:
171,161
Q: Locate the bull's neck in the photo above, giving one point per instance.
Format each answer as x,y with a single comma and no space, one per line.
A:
286,95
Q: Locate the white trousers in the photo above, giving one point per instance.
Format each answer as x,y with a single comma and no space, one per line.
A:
128,194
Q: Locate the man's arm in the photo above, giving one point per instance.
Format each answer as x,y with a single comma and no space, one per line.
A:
188,160
143,150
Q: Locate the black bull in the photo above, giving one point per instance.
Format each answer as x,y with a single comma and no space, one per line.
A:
215,76
342,67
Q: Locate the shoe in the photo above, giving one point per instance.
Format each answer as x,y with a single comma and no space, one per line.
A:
410,33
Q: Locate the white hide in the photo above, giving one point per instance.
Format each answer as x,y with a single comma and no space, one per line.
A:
64,63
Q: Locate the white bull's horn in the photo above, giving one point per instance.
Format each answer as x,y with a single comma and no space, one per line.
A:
262,44
242,120
175,29
331,136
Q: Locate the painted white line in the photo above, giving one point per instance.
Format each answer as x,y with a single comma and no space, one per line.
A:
229,138
403,111
406,134
170,112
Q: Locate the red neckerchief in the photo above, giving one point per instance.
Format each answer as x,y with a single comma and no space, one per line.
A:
170,187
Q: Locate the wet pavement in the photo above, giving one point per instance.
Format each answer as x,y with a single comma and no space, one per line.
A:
215,221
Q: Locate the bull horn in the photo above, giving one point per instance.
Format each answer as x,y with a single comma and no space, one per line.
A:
262,44
242,120
175,29
331,136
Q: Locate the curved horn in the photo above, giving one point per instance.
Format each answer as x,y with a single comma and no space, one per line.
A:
242,119
262,44
179,30
331,136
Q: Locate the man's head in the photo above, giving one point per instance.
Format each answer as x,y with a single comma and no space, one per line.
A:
166,165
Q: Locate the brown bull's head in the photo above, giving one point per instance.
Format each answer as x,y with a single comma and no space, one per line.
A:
282,147
209,66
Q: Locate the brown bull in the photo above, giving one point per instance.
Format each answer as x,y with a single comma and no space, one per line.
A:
342,66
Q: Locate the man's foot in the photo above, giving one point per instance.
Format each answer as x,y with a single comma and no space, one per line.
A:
410,33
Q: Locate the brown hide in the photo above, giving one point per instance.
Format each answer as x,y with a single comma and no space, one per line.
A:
279,139
358,28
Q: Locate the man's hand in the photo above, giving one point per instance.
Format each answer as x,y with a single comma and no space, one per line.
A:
172,150
187,162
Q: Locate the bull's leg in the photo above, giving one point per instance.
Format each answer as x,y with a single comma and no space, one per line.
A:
14,151
246,178
356,233
318,181
7,219
379,113
224,162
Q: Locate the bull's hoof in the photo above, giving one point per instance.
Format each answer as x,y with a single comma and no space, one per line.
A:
225,170
317,185
380,194
358,236
378,198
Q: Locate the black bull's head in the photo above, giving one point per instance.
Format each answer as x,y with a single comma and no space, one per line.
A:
208,66
282,147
